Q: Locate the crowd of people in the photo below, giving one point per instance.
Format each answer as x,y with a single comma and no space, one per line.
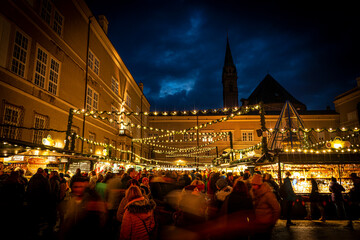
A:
140,204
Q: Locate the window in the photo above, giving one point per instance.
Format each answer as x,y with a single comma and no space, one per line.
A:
19,54
247,135
40,122
92,99
11,117
171,138
116,117
321,136
186,137
115,86
52,16
128,100
46,77
93,63
352,116
91,146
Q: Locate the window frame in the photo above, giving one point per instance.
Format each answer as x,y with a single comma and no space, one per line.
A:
92,107
9,132
50,18
21,51
38,135
115,86
48,71
92,59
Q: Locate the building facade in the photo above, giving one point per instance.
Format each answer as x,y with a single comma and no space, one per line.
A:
56,56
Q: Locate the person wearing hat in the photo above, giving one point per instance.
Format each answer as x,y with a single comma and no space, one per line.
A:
267,207
223,190
289,198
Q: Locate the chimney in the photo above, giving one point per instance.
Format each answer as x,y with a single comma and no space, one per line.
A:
141,86
358,81
104,23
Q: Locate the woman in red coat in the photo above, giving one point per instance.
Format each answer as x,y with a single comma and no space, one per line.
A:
138,220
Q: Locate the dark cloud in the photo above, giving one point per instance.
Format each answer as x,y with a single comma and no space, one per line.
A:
177,48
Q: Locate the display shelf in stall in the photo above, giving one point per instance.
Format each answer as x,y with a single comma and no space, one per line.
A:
321,167
31,160
86,164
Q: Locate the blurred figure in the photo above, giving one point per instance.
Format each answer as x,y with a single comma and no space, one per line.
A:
54,198
145,187
114,193
64,187
267,208
100,187
138,220
84,212
230,178
200,185
315,201
247,180
92,179
289,198
238,211
274,186
38,199
354,212
337,198
12,194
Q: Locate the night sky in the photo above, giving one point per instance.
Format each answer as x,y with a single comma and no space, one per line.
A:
177,48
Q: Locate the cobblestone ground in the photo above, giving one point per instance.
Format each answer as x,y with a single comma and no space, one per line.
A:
314,230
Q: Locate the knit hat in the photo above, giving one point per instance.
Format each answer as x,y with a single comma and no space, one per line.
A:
221,183
257,179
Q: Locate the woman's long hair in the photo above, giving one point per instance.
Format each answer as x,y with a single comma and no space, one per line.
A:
133,192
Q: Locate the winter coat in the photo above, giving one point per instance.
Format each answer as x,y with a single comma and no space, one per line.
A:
239,207
138,220
288,191
114,193
38,191
314,195
336,189
267,208
223,193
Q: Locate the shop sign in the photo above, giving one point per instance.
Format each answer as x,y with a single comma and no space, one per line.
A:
52,159
338,143
48,141
17,158
64,160
38,161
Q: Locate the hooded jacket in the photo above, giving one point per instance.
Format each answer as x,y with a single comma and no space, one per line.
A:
267,208
138,220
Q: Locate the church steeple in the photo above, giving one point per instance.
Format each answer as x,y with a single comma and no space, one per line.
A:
229,80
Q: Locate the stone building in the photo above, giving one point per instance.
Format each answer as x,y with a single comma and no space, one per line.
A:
54,56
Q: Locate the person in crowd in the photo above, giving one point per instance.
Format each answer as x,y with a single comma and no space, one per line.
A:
23,180
138,219
191,208
101,186
77,174
223,190
337,198
12,193
84,213
267,208
273,185
131,175
200,185
230,178
289,197
145,187
54,180
38,199
114,193
247,179
238,211
64,187
354,210
92,179
315,201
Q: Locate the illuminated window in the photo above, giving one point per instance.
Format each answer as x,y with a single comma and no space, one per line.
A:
19,54
46,77
116,117
171,138
40,122
186,137
52,16
92,99
11,117
115,86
